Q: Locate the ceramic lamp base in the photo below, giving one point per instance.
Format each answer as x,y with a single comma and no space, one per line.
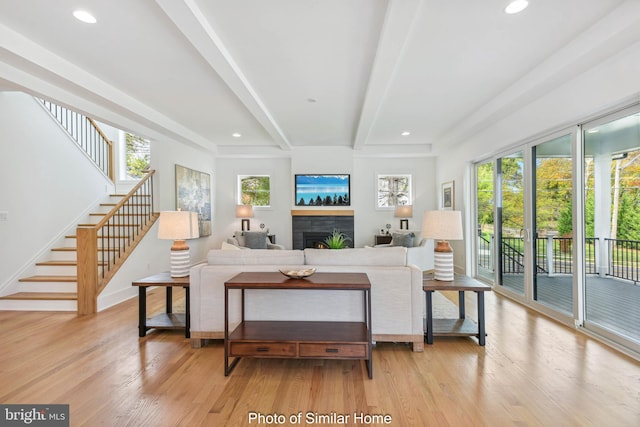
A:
443,266
180,263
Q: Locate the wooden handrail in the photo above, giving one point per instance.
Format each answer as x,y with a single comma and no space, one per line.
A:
118,233
98,148
125,199
111,168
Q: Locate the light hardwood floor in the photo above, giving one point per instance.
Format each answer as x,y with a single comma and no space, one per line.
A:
532,372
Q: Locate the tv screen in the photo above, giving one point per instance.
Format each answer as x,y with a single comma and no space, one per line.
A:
323,190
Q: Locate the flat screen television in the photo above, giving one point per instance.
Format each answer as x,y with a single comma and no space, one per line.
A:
323,190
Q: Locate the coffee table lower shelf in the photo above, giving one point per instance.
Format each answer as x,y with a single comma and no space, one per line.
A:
298,339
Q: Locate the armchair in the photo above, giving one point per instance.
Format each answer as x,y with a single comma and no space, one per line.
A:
252,240
419,250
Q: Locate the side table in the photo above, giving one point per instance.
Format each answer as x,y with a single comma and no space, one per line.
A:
382,239
168,319
460,326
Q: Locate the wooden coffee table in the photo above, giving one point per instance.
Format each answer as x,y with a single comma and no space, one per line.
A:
298,339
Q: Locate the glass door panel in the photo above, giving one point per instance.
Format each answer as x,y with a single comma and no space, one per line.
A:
510,222
553,224
612,225
485,225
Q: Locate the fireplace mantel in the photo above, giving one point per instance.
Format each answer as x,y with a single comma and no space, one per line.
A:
322,212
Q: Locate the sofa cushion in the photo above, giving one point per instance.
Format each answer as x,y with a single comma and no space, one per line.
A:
402,239
255,257
255,239
357,256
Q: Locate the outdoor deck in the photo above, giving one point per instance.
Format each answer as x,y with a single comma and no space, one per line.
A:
610,303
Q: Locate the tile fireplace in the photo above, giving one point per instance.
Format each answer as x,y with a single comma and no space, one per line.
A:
310,228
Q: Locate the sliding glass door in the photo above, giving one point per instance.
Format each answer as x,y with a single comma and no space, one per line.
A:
485,248
612,225
553,224
574,255
510,223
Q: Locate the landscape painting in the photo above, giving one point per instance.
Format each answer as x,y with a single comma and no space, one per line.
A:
323,190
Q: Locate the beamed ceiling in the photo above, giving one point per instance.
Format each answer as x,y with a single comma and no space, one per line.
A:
297,73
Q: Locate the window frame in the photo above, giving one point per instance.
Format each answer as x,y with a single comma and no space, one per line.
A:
239,191
394,203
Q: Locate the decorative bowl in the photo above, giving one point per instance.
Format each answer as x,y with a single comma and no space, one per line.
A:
298,274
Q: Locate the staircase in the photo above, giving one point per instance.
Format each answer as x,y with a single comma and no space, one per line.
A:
76,272
54,287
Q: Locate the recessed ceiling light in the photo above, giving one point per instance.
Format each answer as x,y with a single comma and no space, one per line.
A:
516,6
236,135
84,16
405,133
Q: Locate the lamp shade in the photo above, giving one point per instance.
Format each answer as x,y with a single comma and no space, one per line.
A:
442,225
178,225
404,211
244,211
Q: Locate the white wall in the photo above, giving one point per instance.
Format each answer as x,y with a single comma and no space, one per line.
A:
276,218
152,254
305,160
611,84
47,185
370,219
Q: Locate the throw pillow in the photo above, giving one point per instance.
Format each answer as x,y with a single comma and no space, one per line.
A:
255,239
239,238
402,239
229,247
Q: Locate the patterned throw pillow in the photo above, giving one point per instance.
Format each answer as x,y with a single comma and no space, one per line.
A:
255,239
402,239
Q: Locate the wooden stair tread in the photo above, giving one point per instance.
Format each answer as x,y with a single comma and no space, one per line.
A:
49,279
119,214
58,263
64,249
42,296
128,204
63,263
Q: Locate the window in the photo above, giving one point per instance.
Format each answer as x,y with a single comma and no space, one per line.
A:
394,190
138,156
254,190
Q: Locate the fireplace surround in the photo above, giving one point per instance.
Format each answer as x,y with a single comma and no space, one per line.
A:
309,228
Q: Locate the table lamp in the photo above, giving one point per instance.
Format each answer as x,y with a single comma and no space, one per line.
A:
179,226
404,212
245,212
442,226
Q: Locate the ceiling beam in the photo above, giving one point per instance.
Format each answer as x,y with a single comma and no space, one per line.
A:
191,21
396,32
41,72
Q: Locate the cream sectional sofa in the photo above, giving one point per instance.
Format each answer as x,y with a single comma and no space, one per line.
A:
397,298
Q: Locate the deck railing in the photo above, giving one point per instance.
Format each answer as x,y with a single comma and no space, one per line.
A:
624,259
86,133
103,247
623,256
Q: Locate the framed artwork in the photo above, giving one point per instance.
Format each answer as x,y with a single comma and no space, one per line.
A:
393,190
193,193
323,190
448,196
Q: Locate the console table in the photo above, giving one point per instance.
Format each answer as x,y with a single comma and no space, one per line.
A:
461,326
169,319
298,339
